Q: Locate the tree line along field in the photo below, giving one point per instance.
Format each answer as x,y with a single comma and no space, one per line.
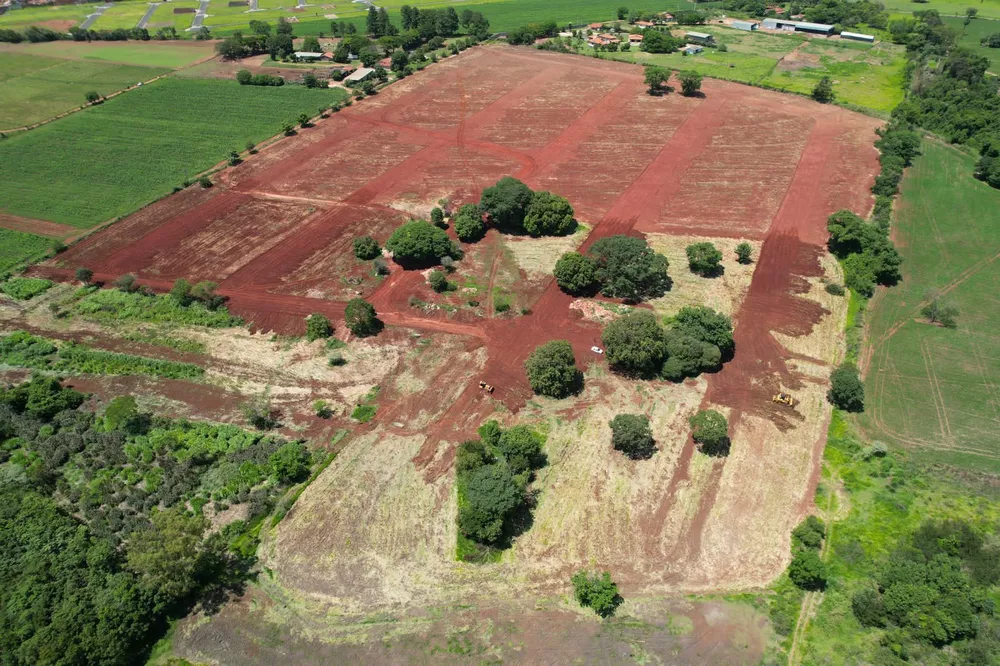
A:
110,159
868,76
931,388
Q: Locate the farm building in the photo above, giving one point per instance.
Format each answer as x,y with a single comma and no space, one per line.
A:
692,49
644,24
633,39
309,56
749,26
699,37
798,26
359,75
858,37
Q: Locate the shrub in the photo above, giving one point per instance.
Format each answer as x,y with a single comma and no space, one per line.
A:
84,275
437,281
552,370
575,273
469,225
520,447
597,592
846,392
381,266
807,570
322,409
437,215
23,289
710,430
835,289
318,326
364,413
126,283
744,253
366,248
360,318
490,495
630,434
205,182
939,311
704,258
690,83
868,608
419,243
810,533
823,90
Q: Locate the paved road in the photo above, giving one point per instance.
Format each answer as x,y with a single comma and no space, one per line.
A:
93,17
199,17
148,15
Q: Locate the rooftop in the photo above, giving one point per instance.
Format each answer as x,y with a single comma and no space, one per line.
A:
360,74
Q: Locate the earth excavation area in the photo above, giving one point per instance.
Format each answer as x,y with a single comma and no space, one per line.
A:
375,532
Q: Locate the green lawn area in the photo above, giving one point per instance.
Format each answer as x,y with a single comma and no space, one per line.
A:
864,75
164,16
121,15
970,35
34,88
17,247
110,159
987,8
18,19
146,54
935,389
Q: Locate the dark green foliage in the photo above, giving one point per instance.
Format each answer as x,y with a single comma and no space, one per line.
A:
744,253
869,256
490,495
181,291
507,203
635,344
690,83
688,356
521,448
23,289
630,434
710,431
122,413
549,215
471,455
809,533
360,318
834,289
490,433
527,34
654,41
823,90
575,273
437,281
597,592
847,391
807,570
84,275
468,223
705,324
290,463
419,243
365,248
655,79
868,608
41,398
552,370
940,311
704,258
318,326
627,268
437,218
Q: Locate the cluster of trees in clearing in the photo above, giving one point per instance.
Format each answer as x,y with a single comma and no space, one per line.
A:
868,256
103,521
656,81
494,474
618,266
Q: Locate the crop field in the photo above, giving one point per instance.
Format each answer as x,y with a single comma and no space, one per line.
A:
35,88
932,388
17,247
969,36
865,75
121,15
738,162
140,145
146,54
56,17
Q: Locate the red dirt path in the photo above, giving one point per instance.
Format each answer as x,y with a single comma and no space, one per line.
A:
738,162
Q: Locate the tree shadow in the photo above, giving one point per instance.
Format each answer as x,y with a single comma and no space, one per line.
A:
718,449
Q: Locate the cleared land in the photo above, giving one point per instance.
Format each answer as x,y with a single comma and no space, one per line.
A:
375,533
140,145
931,388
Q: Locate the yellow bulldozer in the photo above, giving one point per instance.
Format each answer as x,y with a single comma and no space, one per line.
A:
783,398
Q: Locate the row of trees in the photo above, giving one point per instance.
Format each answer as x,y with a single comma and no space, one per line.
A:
619,266
656,79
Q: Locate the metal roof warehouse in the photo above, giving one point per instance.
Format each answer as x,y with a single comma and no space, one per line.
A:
798,26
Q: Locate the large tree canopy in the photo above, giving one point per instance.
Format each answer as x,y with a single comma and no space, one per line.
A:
420,243
549,215
552,370
628,268
575,273
469,225
630,434
846,389
507,202
635,344
490,494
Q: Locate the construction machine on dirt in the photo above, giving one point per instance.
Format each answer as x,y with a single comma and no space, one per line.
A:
783,398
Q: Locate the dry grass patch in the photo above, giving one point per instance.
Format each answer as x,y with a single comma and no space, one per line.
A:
539,255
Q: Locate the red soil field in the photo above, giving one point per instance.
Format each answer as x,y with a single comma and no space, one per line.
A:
736,162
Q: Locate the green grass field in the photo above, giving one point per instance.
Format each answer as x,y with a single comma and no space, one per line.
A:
164,17
18,19
111,159
970,35
34,88
935,389
17,247
121,15
145,54
987,8
864,75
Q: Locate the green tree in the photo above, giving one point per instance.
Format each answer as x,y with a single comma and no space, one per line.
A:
438,281
290,463
360,318
169,555
552,370
655,79
705,324
744,253
575,273
807,570
710,430
549,215
635,344
469,225
627,268
622,13
122,413
507,203
868,608
491,494
181,291
809,533
419,243
437,218
84,275
311,45
688,356
318,326
654,41
847,391
399,61
630,434
690,83
521,448
244,77
597,592
304,120
704,258
940,311
823,90
366,248
93,97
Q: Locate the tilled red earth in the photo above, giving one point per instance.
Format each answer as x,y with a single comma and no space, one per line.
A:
276,232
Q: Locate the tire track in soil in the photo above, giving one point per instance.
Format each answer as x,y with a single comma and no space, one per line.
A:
939,405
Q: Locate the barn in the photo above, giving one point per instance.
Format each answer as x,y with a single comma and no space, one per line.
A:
749,26
798,26
699,37
858,37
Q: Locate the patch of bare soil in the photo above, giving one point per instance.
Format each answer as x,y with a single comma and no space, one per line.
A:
797,59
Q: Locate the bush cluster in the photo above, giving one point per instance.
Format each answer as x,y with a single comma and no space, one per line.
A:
513,207
620,266
552,370
418,244
597,592
245,78
869,256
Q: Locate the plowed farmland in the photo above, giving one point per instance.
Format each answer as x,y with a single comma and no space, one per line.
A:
376,532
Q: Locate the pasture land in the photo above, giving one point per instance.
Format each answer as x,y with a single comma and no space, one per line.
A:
970,35
930,388
987,8
55,17
35,88
864,75
110,159
172,55
121,15
17,247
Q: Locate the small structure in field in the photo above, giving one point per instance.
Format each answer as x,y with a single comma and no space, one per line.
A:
699,37
634,39
359,75
692,49
798,26
309,56
749,26
858,37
